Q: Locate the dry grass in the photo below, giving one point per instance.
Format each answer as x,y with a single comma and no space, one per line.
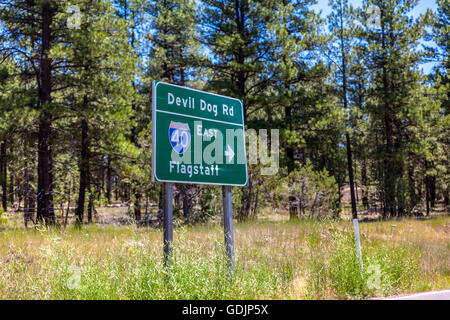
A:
275,259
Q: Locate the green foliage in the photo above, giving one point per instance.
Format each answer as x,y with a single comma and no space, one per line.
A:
310,192
274,55
394,94
176,50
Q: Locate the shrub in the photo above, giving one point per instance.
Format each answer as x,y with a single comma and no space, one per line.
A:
309,192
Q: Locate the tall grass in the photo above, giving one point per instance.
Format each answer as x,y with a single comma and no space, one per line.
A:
305,259
141,274
336,271
135,270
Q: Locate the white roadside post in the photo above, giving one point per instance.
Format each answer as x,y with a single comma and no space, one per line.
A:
353,201
358,244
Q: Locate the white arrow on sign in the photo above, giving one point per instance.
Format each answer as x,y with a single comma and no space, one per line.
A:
229,153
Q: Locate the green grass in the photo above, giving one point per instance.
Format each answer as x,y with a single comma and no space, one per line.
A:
141,275
386,271
274,260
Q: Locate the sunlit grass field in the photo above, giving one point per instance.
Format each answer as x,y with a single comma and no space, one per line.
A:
304,259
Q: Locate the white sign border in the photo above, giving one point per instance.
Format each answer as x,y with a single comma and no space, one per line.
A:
154,176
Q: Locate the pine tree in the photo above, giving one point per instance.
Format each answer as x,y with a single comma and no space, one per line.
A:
442,82
176,58
75,67
31,28
238,36
99,93
392,59
17,120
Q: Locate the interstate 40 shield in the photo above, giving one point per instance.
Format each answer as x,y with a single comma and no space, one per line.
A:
179,136
198,137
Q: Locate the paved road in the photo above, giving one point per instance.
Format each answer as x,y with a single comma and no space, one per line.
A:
432,295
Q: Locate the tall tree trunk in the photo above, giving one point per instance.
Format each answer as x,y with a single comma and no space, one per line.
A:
347,136
101,183
29,205
186,202
137,205
161,198
90,206
108,180
389,168
89,187
116,189
364,189
350,177
84,171
413,197
241,79
432,183
12,194
69,199
292,203
3,177
45,211
188,199
446,197
28,192
427,195
255,203
11,186
146,202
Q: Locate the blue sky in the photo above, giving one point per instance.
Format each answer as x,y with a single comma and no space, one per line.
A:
421,7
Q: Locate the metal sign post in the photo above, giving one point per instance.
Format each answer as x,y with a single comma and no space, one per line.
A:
198,137
228,226
168,222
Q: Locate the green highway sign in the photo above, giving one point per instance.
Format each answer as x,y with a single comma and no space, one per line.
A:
198,137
